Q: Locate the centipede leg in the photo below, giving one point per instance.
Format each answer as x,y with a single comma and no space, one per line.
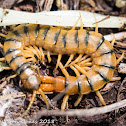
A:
30,104
1,46
115,78
69,60
48,56
75,70
38,52
12,76
3,35
44,97
100,97
86,68
58,60
96,28
78,100
64,71
2,59
113,40
76,60
120,58
84,61
64,103
5,68
42,53
80,69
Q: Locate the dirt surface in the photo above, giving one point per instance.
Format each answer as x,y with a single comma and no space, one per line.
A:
112,92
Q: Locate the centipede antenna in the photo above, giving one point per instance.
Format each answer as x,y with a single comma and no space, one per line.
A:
69,60
113,40
100,97
120,58
48,56
2,59
44,97
58,60
64,71
115,78
75,70
76,60
78,100
64,103
30,104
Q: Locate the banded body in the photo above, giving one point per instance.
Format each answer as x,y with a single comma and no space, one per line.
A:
61,41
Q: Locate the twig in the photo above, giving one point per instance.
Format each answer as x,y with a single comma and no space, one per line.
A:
118,36
81,112
12,96
59,18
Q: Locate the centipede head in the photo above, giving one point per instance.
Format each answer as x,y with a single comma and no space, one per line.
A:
32,83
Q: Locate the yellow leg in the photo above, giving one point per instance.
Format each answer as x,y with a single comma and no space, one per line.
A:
3,35
48,56
34,51
80,69
69,60
96,28
2,59
5,68
12,76
30,104
76,60
38,52
30,48
1,46
44,97
84,61
64,71
78,100
120,58
75,70
31,60
81,28
42,53
76,23
115,78
113,40
83,58
86,64
58,60
86,68
100,97
65,99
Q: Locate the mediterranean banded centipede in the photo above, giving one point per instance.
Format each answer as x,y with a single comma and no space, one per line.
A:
24,38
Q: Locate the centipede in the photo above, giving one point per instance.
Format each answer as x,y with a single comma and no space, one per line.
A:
94,66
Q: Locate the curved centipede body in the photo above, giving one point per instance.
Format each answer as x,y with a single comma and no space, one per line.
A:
30,37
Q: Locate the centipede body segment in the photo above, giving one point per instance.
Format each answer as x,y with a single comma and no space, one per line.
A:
94,67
